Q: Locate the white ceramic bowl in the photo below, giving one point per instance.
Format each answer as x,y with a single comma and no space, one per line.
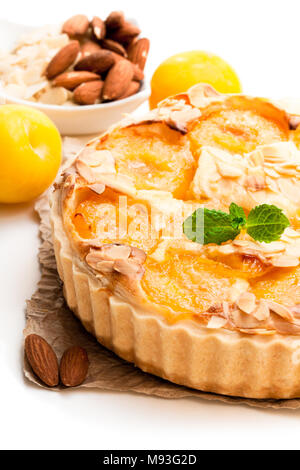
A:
72,120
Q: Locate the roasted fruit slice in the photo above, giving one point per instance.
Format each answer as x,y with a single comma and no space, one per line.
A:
153,155
187,283
239,125
113,217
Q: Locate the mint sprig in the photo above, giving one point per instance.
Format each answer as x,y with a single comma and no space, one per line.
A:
238,216
265,223
209,226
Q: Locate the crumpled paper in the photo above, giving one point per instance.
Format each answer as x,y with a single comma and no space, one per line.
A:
48,315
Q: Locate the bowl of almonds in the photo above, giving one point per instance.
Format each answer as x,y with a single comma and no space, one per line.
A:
84,74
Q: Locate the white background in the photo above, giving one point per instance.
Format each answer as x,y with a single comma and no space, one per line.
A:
261,40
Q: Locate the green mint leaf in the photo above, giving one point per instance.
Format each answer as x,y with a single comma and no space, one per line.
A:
193,226
210,226
266,223
238,216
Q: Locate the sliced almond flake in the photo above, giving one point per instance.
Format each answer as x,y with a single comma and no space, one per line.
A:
271,184
33,75
272,173
97,188
279,150
104,266
216,322
224,249
94,260
56,96
286,172
179,120
100,160
262,311
228,171
115,252
257,157
293,250
273,247
238,242
242,320
289,189
258,331
255,182
202,94
130,268
57,42
93,165
281,310
32,90
246,302
285,261
248,245
138,254
119,182
226,309
240,286
86,172
289,232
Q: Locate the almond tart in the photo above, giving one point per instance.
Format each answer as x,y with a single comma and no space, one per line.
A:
218,318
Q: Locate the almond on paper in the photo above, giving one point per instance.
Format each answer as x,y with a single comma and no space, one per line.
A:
98,28
138,52
118,80
62,60
114,46
115,20
42,359
71,80
88,93
98,62
77,25
74,366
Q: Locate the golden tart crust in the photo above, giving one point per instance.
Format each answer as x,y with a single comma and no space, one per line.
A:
222,319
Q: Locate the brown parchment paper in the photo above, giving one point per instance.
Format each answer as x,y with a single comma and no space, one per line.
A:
48,315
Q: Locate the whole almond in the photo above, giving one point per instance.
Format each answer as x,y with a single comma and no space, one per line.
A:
138,74
63,59
74,366
118,80
125,34
115,20
88,48
131,90
118,57
76,26
42,359
131,44
138,52
71,80
98,62
114,46
88,93
98,28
